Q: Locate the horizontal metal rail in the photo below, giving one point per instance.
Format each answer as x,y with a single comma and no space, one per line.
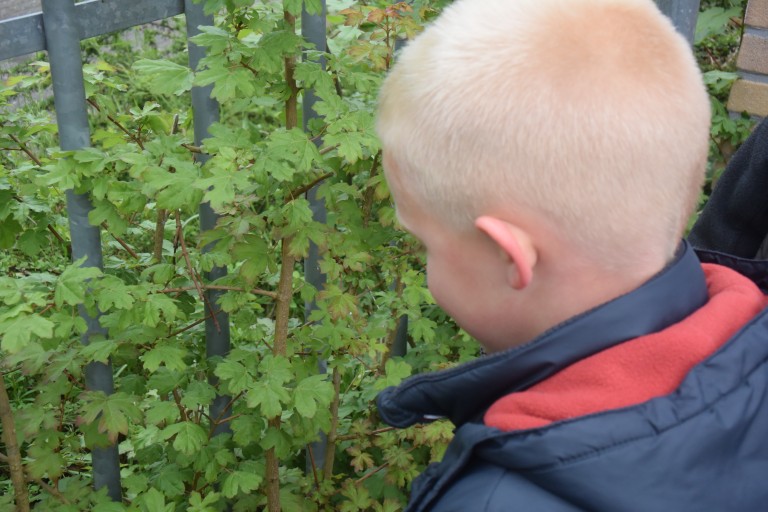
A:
25,34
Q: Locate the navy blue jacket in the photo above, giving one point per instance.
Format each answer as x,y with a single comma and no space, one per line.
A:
703,447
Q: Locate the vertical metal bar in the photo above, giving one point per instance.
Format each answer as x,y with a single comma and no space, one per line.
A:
206,112
400,346
683,13
62,35
313,30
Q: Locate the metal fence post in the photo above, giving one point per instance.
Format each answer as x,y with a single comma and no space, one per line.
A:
683,13
62,35
206,112
313,30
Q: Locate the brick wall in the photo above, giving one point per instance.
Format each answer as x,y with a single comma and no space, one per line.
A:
750,92
13,8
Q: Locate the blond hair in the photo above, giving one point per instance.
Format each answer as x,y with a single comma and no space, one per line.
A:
591,113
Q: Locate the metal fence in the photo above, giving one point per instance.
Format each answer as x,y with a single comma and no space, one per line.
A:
58,30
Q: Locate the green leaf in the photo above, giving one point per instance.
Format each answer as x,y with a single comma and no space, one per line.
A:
71,286
9,228
311,393
240,481
395,371
154,501
199,504
45,462
252,250
713,21
100,350
162,412
227,82
295,147
17,332
164,76
170,481
198,393
190,437
114,412
172,357
293,6
235,375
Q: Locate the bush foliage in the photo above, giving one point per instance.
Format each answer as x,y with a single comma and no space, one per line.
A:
146,182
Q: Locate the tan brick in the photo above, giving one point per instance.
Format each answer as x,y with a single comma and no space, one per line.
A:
749,96
753,54
757,13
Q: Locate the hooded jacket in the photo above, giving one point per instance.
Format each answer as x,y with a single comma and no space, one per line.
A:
702,447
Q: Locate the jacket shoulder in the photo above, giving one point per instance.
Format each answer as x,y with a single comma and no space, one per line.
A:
485,487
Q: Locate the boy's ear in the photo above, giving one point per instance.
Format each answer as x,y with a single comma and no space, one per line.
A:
515,244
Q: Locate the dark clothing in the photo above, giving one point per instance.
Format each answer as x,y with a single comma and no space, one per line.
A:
702,448
735,220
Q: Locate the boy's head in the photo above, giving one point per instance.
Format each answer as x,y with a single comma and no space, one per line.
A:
581,125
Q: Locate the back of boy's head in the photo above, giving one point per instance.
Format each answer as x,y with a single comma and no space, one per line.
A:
590,114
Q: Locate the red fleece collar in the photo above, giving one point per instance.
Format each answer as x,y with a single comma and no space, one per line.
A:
637,370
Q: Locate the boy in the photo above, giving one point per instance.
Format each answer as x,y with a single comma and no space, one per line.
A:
548,154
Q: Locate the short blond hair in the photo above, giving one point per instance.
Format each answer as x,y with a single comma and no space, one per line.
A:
591,113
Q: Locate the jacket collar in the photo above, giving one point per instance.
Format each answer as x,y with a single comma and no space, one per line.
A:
465,392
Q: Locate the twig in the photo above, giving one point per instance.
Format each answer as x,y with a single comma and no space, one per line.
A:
285,285
314,467
117,123
122,243
26,150
190,268
20,491
306,188
383,466
23,147
330,450
328,149
255,291
377,432
190,326
182,410
48,488
157,251
369,192
191,148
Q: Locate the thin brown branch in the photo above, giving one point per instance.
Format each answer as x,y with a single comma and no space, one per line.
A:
16,468
26,150
182,410
254,291
370,192
330,450
314,466
122,243
157,249
190,326
48,488
298,192
376,470
191,269
135,138
250,68
192,149
23,147
350,437
228,407
328,149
